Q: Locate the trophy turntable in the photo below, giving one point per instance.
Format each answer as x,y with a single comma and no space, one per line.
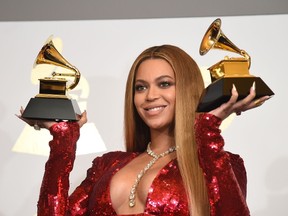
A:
229,71
52,102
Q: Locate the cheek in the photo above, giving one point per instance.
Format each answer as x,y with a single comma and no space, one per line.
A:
137,100
172,101
171,97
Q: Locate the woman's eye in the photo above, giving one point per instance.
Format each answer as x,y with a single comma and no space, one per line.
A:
165,84
140,88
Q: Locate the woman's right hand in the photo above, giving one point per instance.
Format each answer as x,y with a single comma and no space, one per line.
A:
40,123
234,106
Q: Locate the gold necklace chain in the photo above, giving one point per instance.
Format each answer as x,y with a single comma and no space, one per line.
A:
155,156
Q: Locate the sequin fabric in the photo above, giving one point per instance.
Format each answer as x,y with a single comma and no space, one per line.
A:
224,172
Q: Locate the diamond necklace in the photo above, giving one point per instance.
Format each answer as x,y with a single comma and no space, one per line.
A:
146,168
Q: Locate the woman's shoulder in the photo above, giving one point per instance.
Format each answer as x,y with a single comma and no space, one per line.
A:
238,165
235,158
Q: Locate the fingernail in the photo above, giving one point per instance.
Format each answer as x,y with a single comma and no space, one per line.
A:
234,87
254,86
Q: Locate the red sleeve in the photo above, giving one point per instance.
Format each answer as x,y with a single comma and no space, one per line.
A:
224,172
55,184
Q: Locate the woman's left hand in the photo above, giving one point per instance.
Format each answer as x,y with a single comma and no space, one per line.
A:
234,106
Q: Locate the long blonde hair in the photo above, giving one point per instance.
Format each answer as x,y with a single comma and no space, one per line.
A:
189,86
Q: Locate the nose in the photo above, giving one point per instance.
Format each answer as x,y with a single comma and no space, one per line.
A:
152,94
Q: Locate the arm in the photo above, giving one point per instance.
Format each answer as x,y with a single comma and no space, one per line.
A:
53,199
224,172
55,185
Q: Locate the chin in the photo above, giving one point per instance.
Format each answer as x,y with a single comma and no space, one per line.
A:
158,126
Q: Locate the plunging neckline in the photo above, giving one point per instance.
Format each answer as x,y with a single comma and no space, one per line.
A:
149,189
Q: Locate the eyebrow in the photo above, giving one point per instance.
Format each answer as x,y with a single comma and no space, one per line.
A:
157,79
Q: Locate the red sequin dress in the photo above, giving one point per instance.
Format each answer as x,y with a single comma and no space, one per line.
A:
224,172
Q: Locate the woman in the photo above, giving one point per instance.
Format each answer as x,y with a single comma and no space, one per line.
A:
174,164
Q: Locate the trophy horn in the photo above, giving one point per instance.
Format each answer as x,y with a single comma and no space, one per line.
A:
215,38
50,55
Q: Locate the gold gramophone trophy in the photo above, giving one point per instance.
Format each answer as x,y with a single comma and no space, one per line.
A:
227,72
52,102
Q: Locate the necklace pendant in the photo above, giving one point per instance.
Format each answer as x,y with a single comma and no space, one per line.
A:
155,156
131,203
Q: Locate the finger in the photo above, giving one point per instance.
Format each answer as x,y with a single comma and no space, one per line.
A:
247,100
28,121
253,91
258,102
21,110
226,109
234,95
233,98
83,119
25,120
244,104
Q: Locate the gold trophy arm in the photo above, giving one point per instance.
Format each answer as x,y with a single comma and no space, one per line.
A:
246,56
76,75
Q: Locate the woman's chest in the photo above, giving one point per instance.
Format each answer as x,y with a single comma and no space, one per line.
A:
160,191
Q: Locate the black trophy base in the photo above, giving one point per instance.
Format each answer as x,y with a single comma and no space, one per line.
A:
52,109
219,91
